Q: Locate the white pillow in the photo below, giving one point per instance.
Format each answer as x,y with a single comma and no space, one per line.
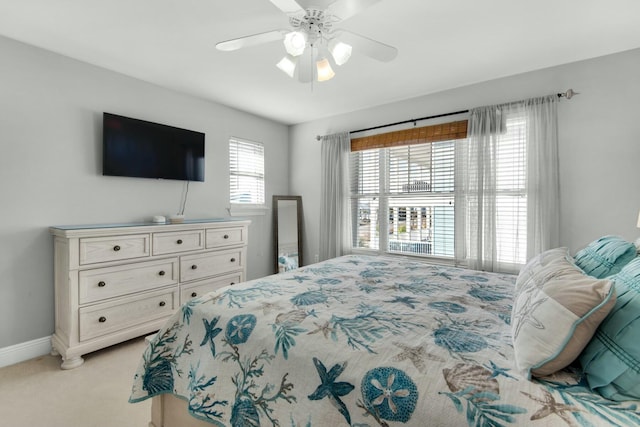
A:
556,310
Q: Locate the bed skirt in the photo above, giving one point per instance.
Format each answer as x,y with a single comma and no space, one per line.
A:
168,410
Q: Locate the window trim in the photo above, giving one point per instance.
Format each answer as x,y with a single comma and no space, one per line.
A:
237,209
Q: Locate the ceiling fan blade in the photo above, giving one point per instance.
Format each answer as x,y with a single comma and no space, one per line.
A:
290,7
372,48
252,40
305,66
345,9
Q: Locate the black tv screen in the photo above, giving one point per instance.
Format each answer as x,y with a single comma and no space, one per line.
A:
137,148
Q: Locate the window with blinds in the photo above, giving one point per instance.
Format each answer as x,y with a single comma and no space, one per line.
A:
402,196
414,186
246,172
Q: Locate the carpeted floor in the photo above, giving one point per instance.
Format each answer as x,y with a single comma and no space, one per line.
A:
38,393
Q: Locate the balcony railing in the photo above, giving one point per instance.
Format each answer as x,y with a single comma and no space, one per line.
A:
423,248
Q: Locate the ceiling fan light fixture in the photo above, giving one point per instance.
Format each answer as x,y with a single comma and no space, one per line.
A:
340,51
295,42
313,46
325,72
288,65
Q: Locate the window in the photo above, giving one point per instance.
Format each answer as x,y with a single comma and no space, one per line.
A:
246,172
414,186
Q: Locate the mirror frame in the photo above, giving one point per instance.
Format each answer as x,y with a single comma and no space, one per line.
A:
274,207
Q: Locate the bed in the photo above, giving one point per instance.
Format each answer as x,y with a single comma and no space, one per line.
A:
358,341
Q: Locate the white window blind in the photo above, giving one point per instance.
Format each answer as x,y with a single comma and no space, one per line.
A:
246,172
511,193
365,197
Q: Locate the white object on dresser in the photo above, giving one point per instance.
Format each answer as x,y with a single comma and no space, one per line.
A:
159,219
121,281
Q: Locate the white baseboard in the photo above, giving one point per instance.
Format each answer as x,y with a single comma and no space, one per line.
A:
24,351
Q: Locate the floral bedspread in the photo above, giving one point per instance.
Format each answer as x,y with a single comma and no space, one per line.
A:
361,341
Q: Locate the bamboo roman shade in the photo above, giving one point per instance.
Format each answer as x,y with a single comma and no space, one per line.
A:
421,135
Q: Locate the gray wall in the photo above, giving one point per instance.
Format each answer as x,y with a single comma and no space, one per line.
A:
599,142
50,154
51,174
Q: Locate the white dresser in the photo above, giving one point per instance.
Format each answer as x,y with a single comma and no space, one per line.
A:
117,282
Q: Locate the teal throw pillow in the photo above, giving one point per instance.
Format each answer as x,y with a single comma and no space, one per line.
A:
611,360
605,256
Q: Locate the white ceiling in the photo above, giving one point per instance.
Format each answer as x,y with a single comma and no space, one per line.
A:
442,45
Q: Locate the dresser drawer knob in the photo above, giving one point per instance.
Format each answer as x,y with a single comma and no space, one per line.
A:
116,248
226,236
162,303
102,319
161,272
194,267
232,283
101,284
194,294
233,260
179,241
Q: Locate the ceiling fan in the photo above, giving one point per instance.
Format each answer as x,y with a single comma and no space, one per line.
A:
312,43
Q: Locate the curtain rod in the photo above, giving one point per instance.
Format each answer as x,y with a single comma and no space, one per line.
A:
411,121
568,94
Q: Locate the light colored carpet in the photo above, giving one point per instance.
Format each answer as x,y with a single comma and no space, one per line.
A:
38,393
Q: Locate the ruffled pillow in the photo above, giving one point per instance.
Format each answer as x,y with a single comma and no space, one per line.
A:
611,361
605,256
556,310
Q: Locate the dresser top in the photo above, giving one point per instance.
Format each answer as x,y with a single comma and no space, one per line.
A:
146,226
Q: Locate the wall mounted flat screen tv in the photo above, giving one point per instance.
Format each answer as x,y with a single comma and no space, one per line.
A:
137,148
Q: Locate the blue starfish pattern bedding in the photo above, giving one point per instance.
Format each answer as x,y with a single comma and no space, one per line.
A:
362,341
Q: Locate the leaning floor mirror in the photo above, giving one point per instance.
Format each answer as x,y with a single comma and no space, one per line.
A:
287,232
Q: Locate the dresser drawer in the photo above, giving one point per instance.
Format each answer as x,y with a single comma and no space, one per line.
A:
218,237
176,242
102,283
194,267
105,318
197,289
113,248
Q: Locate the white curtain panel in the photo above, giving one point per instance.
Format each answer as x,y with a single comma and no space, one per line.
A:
543,182
480,193
335,217
475,177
